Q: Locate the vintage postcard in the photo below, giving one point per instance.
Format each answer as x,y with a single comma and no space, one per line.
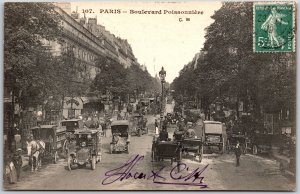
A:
150,96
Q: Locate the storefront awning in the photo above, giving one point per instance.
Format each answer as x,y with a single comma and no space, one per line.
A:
86,100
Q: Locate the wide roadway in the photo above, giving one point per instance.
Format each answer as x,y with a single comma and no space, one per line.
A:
255,172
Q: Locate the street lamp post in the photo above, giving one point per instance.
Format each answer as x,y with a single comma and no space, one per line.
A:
162,75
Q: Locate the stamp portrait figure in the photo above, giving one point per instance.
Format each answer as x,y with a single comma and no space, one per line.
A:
275,40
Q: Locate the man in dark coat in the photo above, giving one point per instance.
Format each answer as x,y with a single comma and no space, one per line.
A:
163,135
238,153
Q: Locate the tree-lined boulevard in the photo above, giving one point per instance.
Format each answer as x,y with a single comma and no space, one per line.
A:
226,122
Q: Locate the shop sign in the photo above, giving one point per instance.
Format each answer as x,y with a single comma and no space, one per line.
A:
73,103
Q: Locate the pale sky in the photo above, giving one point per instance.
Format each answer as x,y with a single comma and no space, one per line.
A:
156,40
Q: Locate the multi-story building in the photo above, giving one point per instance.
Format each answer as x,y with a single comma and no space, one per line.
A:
89,41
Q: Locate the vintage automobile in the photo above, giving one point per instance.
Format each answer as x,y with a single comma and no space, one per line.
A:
214,136
72,125
54,138
166,150
120,136
190,142
85,149
138,125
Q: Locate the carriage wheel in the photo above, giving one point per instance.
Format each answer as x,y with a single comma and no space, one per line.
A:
154,158
93,165
55,157
69,163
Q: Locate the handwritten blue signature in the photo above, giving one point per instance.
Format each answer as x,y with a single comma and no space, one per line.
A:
177,174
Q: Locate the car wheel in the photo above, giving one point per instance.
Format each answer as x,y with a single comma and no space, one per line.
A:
93,163
69,163
254,151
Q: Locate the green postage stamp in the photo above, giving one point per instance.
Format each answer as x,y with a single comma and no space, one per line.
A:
274,27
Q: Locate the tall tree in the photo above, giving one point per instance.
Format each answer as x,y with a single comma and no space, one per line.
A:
27,26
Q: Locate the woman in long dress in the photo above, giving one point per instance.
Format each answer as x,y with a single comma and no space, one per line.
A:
269,25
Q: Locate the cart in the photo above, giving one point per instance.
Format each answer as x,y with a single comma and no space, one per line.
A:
193,145
54,138
189,144
166,150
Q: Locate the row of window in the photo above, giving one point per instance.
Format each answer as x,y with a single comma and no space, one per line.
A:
80,53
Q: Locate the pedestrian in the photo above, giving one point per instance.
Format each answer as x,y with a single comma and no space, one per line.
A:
238,153
104,128
156,127
17,160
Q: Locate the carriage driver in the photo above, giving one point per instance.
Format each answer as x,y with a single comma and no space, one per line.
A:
163,135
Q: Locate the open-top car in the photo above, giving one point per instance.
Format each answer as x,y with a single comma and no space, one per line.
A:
85,149
120,136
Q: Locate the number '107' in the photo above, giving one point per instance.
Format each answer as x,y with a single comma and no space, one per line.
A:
87,10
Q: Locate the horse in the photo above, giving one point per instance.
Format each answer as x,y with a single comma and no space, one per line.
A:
35,150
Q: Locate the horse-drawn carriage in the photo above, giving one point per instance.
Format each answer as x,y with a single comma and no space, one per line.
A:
138,125
190,142
120,136
85,149
54,139
166,150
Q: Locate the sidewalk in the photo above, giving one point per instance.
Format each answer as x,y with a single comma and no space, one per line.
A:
284,162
